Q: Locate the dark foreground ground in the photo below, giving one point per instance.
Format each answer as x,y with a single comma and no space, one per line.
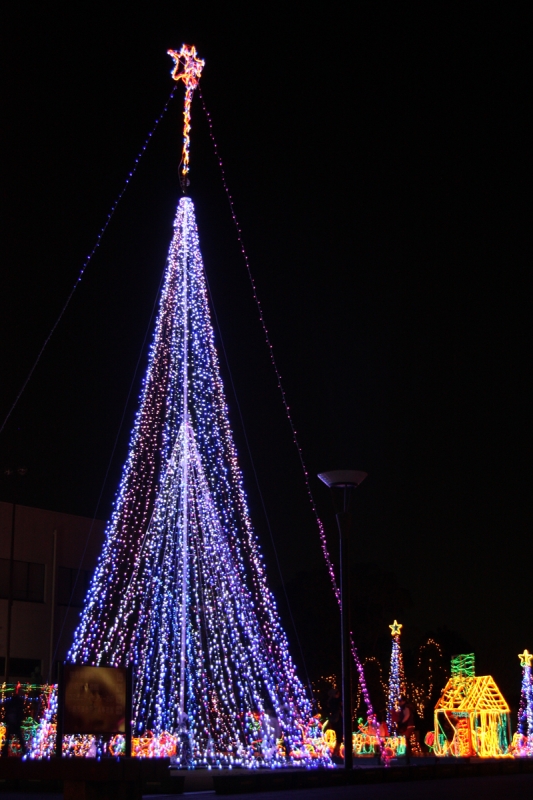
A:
506,787
126,779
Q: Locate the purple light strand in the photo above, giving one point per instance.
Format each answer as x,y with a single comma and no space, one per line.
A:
88,258
321,531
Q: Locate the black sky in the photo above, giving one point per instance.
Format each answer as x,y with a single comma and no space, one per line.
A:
378,163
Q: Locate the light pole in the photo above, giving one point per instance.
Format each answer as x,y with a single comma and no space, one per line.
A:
342,483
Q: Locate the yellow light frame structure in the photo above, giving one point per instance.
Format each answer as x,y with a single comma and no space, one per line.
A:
472,718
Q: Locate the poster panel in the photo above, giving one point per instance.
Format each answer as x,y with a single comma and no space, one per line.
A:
94,699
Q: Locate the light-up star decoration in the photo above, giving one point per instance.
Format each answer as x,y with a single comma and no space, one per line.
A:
396,628
525,658
187,68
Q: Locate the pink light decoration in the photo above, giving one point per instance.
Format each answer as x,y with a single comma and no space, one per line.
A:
323,543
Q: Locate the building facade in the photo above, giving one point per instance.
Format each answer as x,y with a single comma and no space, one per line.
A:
54,556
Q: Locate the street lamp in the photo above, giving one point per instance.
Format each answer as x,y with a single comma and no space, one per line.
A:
342,482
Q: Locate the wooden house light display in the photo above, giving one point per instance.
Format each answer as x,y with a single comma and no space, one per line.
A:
472,717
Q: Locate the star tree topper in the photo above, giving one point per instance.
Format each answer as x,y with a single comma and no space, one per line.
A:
525,658
396,628
191,68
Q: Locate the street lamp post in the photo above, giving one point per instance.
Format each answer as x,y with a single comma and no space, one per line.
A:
342,483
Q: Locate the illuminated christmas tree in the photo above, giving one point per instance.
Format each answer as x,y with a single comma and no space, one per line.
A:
524,734
180,589
397,685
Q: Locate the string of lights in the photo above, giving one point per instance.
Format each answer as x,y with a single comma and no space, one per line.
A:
321,531
430,675
89,257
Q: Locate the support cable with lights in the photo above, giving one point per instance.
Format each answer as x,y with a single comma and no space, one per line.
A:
258,487
88,258
281,388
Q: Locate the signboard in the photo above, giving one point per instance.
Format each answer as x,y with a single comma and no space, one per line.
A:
95,699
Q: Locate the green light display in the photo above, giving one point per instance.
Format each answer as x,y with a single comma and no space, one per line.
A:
463,666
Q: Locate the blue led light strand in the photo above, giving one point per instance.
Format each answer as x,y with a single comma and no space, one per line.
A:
88,258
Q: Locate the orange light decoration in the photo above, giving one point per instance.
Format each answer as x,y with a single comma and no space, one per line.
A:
187,68
421,690
36,702
368,741
471,716
365,742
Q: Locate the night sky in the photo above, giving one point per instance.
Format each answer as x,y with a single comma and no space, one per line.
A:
378,164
